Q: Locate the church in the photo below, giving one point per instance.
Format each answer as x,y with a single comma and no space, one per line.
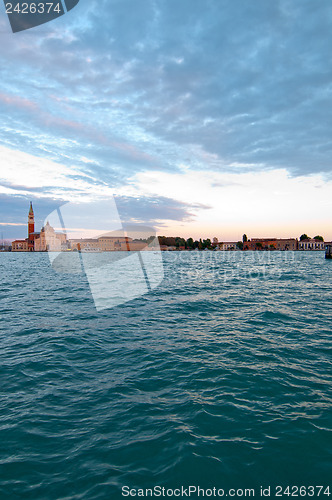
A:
46,240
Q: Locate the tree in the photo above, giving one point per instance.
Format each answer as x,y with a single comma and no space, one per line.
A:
170,241
150,239
167,240
190,243
240,245
207,243
319,238
244,238
304,237
180,242
259,244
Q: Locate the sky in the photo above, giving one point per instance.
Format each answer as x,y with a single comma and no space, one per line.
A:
201,118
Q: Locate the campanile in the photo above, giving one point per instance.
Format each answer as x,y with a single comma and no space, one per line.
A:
31,229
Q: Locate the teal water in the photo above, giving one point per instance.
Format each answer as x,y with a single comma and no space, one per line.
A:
221,377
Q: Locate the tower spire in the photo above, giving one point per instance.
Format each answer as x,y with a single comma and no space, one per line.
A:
31,229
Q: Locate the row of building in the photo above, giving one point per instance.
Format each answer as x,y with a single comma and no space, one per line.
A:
275,244
281,244
49,240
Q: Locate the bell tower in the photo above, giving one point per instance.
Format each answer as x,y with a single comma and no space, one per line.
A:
31,229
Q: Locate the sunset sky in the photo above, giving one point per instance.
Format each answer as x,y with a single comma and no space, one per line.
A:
202,118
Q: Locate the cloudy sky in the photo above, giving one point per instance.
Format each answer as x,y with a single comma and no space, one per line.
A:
202,117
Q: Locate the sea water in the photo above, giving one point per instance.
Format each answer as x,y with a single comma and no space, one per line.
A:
220,378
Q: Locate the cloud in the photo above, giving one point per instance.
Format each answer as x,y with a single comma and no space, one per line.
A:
135,88
25,174
11,224
156,210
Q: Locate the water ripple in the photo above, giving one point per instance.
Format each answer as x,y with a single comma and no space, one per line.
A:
220,377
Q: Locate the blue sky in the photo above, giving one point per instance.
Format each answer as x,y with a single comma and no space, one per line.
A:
202,117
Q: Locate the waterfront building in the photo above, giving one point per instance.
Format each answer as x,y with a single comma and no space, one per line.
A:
287,244
47,239
112,243
108,244
20,245
311,244
228,245
85,244
260,244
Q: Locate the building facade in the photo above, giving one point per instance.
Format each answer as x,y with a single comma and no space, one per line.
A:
108,244
260,244
46,240
285,244
228,245
49,240
311,244
20,246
